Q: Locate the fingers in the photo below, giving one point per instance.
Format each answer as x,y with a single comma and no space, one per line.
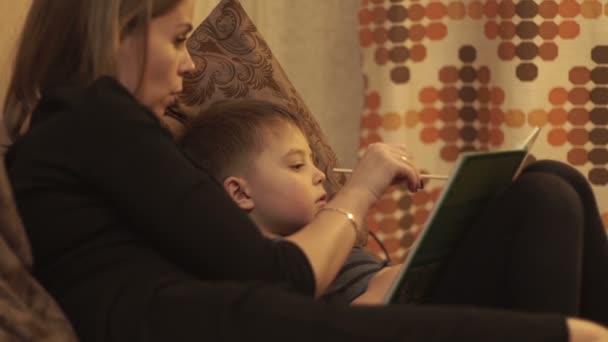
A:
383,165
403,161
408,170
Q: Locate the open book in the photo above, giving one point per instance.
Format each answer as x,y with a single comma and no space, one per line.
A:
477,178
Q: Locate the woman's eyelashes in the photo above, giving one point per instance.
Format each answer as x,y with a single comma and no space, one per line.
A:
180,41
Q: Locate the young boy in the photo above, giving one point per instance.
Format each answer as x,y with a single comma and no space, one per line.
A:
263,160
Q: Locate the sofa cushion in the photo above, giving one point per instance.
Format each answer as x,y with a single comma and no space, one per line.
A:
27,311
234,61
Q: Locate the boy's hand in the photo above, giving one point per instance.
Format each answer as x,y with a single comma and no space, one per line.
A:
586,331
381,166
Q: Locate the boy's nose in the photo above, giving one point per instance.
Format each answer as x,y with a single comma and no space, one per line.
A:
319,176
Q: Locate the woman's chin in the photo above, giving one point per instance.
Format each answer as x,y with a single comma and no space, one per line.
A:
174,126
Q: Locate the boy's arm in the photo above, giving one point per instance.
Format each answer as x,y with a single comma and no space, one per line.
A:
354,277
378,286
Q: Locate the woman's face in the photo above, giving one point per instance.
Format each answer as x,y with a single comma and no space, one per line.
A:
167,61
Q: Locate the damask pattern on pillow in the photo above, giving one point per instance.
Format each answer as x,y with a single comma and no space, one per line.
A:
234,61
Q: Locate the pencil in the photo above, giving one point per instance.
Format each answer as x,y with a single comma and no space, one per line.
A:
422,175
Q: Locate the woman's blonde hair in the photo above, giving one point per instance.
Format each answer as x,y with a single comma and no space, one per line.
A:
72,41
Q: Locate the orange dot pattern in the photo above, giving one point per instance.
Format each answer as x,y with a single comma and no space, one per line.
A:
579,117
447,76
397,30
528,30
371,121
466,113
398,218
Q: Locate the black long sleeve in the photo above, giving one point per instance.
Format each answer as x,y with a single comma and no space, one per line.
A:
97,168
239,312
137,244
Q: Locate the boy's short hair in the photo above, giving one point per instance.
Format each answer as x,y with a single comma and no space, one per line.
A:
225,136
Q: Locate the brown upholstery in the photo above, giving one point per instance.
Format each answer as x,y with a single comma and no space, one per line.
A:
233,61
27,312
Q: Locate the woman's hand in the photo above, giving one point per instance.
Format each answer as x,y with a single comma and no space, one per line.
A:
586,331
329,237
383,165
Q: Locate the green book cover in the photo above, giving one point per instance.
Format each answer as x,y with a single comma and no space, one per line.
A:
476,179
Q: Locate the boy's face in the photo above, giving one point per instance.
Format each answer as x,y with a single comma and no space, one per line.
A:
285,186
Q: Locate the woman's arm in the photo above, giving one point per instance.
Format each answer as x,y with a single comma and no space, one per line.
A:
328,239
118,149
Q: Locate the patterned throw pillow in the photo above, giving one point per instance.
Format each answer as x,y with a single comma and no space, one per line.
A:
27,311
233,61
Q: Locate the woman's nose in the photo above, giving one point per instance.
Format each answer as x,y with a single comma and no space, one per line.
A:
187,65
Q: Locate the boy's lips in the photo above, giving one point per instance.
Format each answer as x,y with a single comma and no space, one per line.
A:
175,114
173,111
322,200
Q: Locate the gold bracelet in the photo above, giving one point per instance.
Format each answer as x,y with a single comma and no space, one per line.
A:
348,215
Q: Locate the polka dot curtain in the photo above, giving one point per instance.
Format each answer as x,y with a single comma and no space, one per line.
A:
451,76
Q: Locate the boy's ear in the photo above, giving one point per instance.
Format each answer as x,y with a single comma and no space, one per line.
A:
238,189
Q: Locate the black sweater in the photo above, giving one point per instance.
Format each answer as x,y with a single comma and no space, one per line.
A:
101,186
136,243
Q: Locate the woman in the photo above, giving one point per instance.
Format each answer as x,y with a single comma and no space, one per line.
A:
137,244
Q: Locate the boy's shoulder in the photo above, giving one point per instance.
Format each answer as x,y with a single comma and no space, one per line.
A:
354,276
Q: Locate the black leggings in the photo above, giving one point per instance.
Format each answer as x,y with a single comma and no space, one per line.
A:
539,247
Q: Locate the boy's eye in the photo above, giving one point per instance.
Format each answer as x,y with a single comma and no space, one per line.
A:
297,167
